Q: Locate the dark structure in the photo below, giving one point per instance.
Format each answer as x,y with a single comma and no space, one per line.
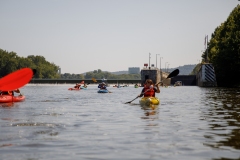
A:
187,80
150,73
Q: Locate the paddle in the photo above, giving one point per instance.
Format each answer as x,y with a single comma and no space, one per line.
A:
172,74
94,80
16,79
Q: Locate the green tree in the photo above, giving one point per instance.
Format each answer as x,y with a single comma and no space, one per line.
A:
9,62
196,69
108,75
224,52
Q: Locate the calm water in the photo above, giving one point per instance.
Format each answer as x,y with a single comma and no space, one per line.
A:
54,123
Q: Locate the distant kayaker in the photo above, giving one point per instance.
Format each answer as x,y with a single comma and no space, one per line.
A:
102,85
77,86
149,89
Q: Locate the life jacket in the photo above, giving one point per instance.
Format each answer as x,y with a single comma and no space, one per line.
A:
149,92
103,87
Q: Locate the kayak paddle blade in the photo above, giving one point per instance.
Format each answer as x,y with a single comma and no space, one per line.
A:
34,71
94,80
16,79
173,73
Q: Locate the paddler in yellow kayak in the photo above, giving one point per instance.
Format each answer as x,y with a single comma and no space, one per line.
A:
148,92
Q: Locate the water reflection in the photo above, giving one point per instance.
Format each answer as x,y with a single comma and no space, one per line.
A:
223,117
6,104
151,112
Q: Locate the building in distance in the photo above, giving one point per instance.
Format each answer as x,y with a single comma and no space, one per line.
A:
133,70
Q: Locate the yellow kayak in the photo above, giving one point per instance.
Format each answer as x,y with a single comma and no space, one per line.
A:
148,101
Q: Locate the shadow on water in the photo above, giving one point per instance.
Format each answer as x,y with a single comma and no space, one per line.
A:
223,117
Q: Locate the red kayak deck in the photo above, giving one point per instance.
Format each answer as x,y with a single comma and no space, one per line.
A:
9,98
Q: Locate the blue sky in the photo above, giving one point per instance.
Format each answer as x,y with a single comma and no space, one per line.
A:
111,35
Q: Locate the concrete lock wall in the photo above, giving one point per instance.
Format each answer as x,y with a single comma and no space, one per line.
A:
206,76
152,73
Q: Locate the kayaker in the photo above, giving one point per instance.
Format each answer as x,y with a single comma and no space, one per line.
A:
77,86
149,89
102,85
10,92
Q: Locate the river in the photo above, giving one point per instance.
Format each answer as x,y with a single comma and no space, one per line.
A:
55,123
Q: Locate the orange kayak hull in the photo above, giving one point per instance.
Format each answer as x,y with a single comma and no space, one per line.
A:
9,98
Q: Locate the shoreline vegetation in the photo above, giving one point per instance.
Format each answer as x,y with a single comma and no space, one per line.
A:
223,51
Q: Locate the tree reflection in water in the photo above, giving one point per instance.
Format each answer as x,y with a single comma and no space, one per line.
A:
223,116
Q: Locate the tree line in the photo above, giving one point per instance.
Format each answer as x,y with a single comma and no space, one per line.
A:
99,74
223,51
10,62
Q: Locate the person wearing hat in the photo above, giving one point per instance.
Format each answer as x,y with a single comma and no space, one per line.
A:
102,85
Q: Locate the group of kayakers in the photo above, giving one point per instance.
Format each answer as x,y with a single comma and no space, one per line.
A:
148,90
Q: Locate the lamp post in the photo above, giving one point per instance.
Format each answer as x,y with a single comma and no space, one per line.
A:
165,66
160,63
149,60
156,59
160,69
168,67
